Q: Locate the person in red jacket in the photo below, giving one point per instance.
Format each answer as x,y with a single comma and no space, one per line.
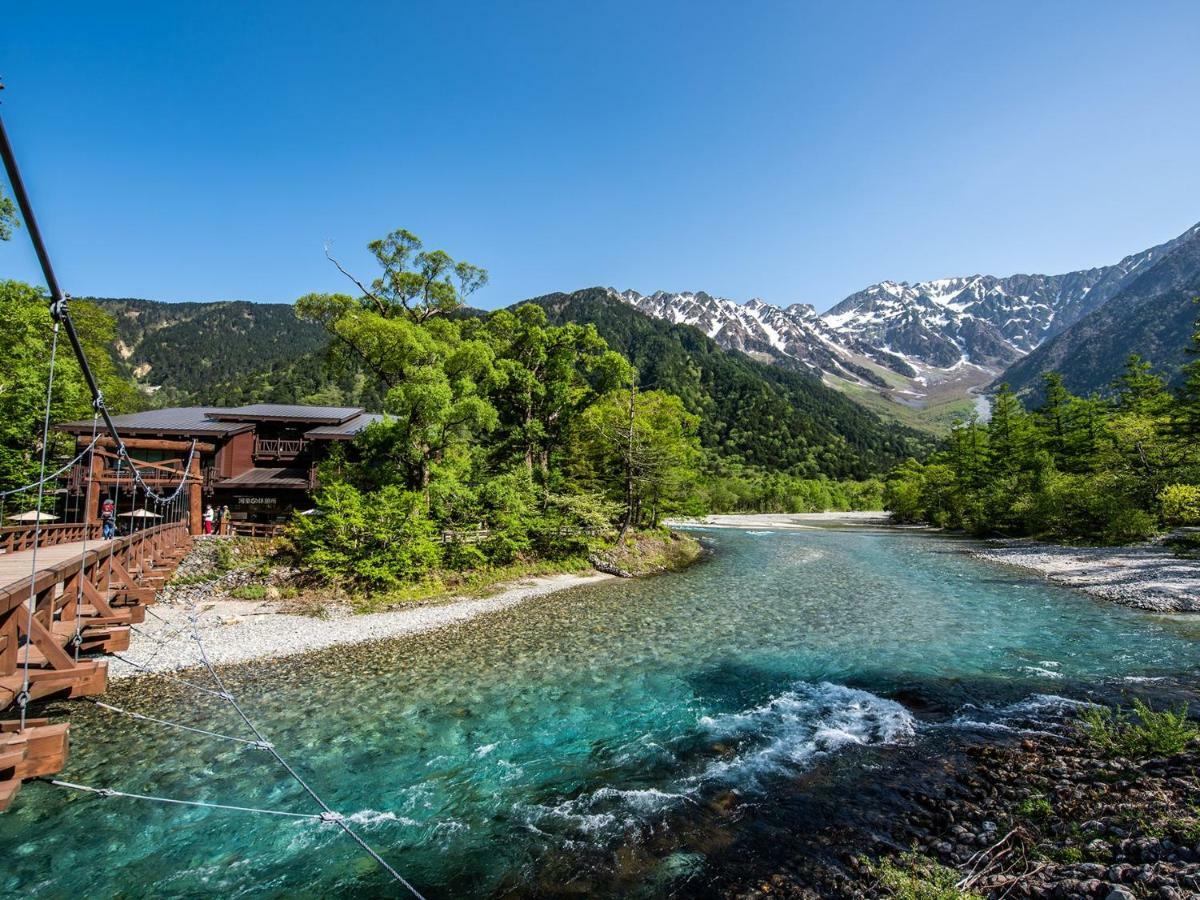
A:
108,518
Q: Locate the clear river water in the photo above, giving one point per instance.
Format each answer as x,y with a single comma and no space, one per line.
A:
578,743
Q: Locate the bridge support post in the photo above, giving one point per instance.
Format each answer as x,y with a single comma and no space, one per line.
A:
91,515
195,498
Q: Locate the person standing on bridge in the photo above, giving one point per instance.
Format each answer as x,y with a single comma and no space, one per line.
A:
108,519
209,515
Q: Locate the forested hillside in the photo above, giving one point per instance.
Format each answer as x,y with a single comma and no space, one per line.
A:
750,412
1151,316
218,353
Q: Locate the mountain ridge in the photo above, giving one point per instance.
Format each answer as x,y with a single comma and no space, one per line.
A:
915,344
1153,315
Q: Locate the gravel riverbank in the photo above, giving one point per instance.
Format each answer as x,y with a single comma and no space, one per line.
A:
237,631
1145,577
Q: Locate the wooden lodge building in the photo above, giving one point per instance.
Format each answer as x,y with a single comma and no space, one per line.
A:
259,460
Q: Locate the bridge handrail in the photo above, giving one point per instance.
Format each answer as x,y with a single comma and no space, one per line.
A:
15,593
255,529
14,538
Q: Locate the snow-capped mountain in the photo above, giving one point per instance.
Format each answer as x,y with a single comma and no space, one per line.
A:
964,329
796,335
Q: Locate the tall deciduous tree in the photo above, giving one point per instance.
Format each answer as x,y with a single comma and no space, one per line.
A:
639,449
545,375
26,327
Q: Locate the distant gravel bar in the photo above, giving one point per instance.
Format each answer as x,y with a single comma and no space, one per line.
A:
1144,577
241,631
785,520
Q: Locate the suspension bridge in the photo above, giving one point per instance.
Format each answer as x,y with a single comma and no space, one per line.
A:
70,594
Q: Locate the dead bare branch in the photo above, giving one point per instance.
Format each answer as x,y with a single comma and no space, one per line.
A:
382,307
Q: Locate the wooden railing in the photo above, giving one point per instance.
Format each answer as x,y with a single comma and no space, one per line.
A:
465,535
480,534
279,448
254,529
15,538
122,573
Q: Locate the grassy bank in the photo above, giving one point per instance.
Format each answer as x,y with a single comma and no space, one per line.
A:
648,553
267,574
471,583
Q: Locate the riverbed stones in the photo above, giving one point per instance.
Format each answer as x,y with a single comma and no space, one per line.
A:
1048,816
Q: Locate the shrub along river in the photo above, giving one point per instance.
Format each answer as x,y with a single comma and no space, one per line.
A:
627,738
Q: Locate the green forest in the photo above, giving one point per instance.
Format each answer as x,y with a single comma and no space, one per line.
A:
1112,468
752,414
505,438
216,354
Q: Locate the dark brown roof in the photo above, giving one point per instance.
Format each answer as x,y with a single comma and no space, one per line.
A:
189,421
332,423
283,412
268,477
345,431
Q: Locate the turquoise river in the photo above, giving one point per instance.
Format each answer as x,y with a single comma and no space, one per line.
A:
579,743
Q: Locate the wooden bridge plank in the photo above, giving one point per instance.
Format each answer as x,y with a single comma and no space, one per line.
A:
17,567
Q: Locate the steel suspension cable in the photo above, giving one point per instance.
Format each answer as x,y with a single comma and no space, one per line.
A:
23,697
330,814
110,792
59,309
148,491
87,512
52,475
144,718
167,675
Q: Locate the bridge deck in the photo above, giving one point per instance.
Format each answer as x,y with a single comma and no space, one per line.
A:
84,607
15,567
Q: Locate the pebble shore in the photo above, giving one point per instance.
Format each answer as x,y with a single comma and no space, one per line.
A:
1145,577
241,631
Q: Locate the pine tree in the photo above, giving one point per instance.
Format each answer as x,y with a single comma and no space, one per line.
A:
1186,418
1139,389
1012,439
1054,416
968,452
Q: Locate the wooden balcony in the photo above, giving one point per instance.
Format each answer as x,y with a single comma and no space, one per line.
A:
278,448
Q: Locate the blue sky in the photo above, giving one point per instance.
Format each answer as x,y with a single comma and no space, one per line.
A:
792,151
